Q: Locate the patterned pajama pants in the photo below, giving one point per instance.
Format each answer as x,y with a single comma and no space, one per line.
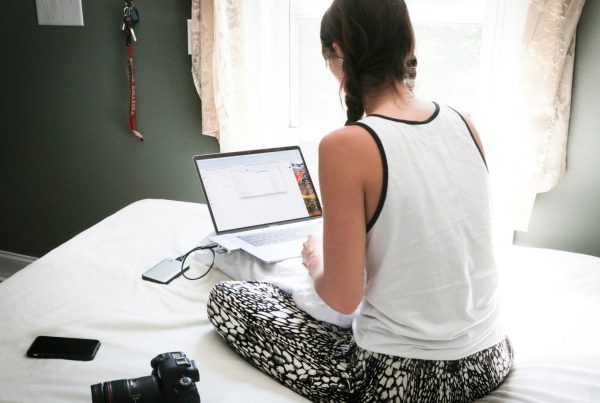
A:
322,362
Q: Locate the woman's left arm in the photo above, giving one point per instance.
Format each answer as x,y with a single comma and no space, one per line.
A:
339,273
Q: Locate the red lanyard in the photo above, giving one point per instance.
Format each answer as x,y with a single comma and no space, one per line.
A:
130,18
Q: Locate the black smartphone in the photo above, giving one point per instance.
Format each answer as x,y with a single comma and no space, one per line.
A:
63,347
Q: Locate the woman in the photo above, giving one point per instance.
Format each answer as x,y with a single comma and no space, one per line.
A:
406,240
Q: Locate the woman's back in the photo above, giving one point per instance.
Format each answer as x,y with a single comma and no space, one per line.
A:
431,275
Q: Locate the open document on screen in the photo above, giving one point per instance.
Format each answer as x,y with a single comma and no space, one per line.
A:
256,189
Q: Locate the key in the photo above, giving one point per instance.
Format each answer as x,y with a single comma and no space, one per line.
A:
132,34
128,24
127,21
126,14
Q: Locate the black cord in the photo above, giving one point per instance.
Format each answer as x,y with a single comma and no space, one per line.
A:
183,258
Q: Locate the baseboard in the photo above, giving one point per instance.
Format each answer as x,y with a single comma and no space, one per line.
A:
10,263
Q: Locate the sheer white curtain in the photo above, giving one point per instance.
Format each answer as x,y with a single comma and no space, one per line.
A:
529,98
547,81
233,61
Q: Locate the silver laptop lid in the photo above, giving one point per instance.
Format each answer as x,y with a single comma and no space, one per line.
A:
258,188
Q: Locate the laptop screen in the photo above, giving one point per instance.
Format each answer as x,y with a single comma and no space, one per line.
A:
257,188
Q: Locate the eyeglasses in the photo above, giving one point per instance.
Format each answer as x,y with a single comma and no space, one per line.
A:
205,256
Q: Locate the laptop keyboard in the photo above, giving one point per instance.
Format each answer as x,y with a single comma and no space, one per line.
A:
276,236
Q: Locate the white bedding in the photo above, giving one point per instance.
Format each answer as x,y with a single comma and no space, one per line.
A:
91,287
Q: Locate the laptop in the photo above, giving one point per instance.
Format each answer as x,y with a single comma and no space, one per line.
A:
261,201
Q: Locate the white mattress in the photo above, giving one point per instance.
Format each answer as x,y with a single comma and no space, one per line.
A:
91,287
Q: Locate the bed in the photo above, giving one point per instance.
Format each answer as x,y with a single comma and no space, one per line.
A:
91,287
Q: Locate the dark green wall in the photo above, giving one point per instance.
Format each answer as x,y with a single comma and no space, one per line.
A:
568,217
67,159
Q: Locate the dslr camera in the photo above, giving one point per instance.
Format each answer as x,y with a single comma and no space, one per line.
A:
172,380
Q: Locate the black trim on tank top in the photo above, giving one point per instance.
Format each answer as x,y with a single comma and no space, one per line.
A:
412,122
472,137
384,184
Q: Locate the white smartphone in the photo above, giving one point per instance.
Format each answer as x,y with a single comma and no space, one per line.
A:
164,272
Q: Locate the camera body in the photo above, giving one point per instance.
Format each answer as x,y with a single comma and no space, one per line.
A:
173,380
178,376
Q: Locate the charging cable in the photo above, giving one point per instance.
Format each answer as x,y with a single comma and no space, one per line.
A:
183,258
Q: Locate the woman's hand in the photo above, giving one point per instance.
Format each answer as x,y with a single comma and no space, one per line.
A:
312,255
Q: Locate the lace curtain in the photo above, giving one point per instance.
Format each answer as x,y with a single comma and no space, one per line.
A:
546,83
232,62
202,63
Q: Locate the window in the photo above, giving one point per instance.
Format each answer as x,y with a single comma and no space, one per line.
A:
314,93
449,36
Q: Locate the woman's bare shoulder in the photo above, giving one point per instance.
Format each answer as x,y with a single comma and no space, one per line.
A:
469,121
350,140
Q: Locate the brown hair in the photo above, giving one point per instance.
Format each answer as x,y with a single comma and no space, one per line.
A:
377,39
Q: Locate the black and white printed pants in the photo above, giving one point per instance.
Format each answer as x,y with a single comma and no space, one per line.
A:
323,363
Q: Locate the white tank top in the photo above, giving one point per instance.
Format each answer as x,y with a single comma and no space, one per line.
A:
431,277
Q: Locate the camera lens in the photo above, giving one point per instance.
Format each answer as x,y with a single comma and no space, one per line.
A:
127,390
98,393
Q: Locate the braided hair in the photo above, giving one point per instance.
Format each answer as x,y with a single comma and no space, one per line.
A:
377,39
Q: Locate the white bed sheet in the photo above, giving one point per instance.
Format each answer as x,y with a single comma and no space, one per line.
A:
91,287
